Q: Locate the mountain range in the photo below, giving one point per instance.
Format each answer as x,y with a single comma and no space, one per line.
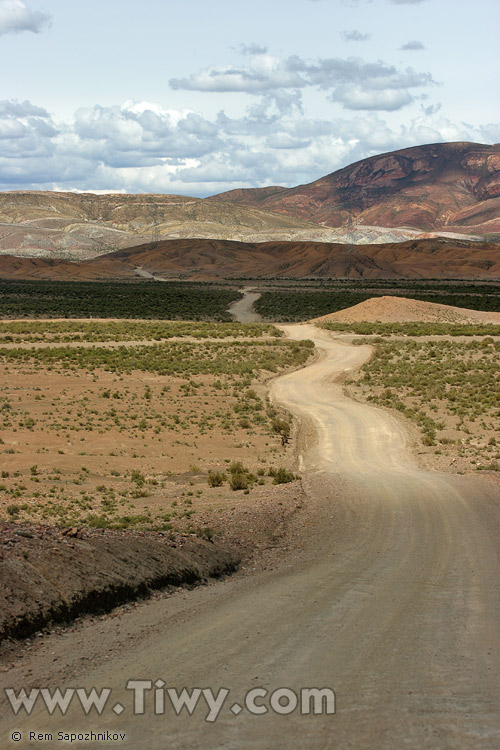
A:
426,211
76,226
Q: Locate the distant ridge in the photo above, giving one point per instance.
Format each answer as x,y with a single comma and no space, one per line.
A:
77,226
223,259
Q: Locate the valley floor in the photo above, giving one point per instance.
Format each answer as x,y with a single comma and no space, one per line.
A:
388,595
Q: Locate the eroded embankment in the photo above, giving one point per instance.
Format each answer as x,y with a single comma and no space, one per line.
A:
47,576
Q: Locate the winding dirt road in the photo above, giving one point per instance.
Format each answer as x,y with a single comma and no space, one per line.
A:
390,597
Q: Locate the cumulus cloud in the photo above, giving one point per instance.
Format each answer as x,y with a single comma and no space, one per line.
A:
356,3
13,108
143,134
431,109
16,16
264,73
354,36
352,82
414,45
144,147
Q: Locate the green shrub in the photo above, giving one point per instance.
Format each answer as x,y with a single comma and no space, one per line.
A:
216,478
282,476
239,481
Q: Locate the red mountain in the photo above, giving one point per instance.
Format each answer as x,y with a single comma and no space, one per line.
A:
451,187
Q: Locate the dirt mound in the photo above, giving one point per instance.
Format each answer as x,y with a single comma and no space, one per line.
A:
403,310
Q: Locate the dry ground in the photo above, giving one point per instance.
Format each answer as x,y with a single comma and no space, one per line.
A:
103,448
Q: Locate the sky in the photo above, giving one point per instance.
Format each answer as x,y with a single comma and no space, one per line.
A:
203,96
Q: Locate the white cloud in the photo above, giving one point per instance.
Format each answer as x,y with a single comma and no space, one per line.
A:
263,74
16,16
252,49
413,46
354,36
13,108
143,147
389,100
352,82
143,134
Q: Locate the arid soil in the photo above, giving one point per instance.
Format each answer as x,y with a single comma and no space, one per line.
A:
389,595
93,450
51,575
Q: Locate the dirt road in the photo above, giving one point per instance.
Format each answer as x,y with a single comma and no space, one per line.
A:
389,595
243,310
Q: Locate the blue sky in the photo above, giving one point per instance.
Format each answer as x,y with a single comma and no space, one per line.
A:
202,96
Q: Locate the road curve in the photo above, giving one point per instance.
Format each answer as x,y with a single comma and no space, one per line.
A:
390,597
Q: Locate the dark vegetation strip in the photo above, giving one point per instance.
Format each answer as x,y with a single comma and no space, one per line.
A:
75,299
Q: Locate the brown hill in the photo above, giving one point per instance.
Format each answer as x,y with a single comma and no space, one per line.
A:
403,310
79,226
213,259
452,187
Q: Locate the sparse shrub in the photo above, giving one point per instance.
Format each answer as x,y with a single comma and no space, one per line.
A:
282,476
239,481
216,478
280,426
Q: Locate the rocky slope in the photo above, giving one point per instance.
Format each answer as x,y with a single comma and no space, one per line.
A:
79,226
217,259
441,187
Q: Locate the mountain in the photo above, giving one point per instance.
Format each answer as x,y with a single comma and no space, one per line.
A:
445,189
218,259
441,187
79,226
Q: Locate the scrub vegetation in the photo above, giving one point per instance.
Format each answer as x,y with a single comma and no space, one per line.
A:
145,437
450,389
56,331
366,328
